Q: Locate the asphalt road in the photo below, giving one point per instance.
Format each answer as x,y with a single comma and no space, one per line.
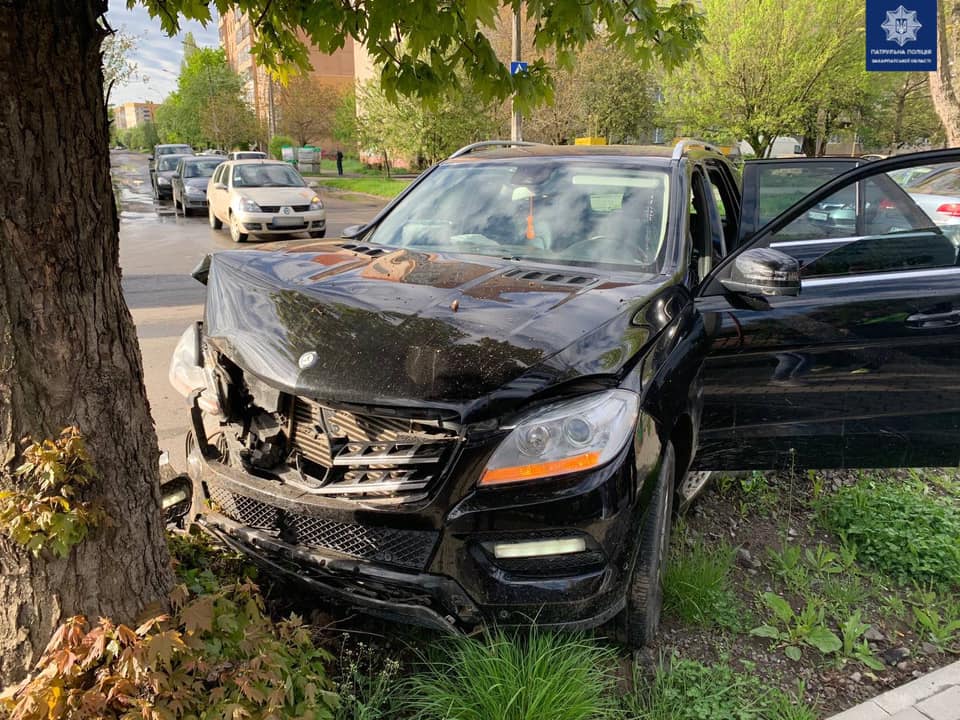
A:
157,252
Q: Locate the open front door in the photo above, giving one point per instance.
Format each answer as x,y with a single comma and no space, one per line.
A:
862,367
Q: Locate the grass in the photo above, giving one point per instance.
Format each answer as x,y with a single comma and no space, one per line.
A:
541,676
697,587
381,187
690,690
903,529
351,166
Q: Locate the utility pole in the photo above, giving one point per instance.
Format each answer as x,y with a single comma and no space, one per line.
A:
516,128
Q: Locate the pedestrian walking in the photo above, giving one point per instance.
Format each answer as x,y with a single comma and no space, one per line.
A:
339,162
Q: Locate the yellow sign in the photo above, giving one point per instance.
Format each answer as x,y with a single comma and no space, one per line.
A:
590,141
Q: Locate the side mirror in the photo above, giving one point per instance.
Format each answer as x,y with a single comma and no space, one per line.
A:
352,231
313,185
150,158
176,175
762,271
219,186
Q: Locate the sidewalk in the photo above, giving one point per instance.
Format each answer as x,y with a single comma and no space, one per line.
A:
932,697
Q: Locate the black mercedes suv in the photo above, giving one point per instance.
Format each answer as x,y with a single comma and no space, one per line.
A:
484,405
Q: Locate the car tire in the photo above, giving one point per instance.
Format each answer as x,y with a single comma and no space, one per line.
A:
215,222
235,234
317,233
640,619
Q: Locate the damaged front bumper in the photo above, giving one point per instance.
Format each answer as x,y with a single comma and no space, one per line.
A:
444,576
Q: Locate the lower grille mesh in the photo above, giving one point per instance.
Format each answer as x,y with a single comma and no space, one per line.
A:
406,548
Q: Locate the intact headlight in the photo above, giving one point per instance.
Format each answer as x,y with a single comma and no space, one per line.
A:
245,204
315,203
564,438
163,181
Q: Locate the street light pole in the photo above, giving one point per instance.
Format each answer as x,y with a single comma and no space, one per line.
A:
516,121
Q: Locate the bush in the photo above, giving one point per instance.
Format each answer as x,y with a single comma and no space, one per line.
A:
538,677
217,656
44,513
277,142
688,690
898,528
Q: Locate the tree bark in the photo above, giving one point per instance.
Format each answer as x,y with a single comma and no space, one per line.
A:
943,83
68,347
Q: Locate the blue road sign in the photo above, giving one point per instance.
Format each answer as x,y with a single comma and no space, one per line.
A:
517,67
901,35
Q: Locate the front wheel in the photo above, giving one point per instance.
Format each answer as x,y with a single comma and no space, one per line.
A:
215,222
640,619
236,234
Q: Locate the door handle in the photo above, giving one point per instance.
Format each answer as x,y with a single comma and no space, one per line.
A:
934,320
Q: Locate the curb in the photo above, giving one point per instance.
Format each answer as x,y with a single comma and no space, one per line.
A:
935,696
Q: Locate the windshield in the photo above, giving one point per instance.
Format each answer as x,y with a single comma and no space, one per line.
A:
555,210
174,150
266,176
200,169
168,162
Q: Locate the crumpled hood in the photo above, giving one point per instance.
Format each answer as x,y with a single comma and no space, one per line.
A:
409,328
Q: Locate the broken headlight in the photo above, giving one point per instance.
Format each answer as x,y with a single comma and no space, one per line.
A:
188,373
565,437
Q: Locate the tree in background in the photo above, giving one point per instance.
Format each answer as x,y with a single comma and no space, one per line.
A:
764,64
945,83
118,68
307,109
603,91
206,81
68,346
903,113
344,128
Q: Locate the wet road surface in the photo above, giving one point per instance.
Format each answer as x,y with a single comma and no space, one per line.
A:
157,252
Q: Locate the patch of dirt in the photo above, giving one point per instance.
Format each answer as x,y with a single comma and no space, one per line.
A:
776,514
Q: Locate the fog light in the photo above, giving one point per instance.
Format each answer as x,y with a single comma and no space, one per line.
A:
539,548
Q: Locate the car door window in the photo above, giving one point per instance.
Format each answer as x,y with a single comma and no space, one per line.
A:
873,226
727,204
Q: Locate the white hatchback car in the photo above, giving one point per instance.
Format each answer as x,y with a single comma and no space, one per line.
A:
263,197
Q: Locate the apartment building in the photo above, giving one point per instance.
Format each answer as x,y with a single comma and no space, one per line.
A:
132,114
237,35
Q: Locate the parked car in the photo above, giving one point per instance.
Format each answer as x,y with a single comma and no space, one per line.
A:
168,149
263,198
162,175
247,155
189,182
938,194
483,405
214,151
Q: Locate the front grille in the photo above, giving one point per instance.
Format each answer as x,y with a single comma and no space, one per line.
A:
276,208
406,548
366,453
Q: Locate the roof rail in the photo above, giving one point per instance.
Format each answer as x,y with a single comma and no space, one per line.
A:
683,144
467,149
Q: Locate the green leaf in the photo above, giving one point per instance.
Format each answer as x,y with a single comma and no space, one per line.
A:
792,652
766,631
823,640
780,607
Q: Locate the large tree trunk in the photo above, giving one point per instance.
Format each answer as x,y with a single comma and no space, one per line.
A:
944,83
68,348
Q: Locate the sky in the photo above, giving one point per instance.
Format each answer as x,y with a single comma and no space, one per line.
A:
156,55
